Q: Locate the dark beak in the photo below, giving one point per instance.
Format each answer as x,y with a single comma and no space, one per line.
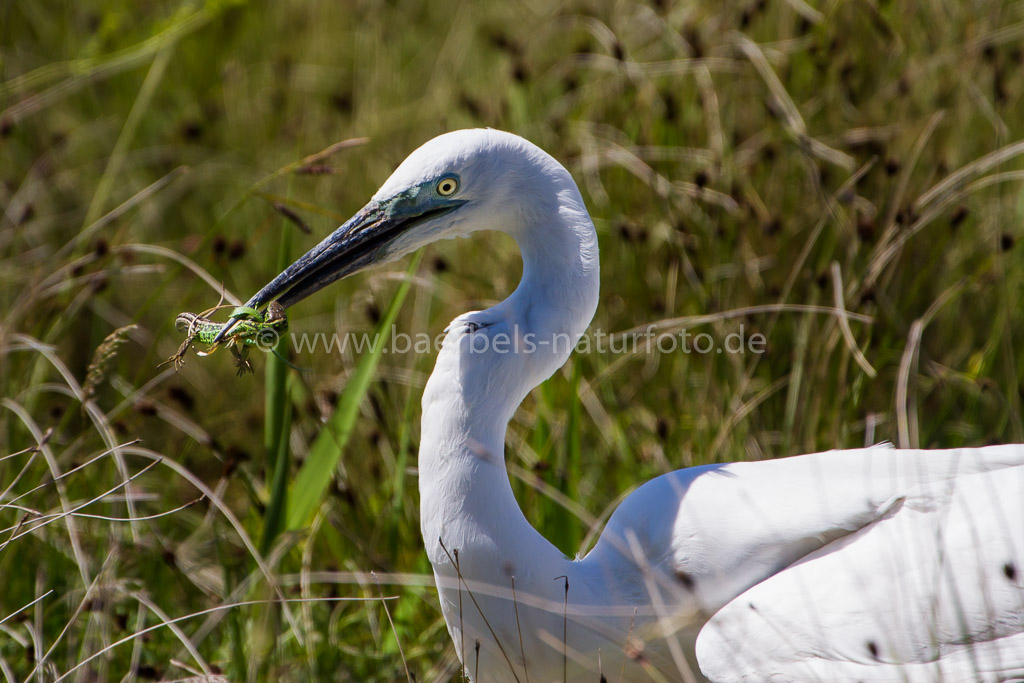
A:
346,250
355,246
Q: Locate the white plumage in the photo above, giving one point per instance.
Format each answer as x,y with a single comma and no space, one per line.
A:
862,565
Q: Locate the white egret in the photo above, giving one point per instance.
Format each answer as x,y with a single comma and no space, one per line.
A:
861,565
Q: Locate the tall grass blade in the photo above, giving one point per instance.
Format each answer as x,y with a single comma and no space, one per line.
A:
318,469
574,459
277,426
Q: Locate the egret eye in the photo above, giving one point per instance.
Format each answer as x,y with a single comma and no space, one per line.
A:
446,186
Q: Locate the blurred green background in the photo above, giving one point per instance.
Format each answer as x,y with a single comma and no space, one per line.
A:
772,154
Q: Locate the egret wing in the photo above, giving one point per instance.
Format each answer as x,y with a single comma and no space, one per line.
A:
720,529
931,591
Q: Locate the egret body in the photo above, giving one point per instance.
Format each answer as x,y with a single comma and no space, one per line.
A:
862,565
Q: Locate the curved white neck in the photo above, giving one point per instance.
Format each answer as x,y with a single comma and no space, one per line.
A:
474,390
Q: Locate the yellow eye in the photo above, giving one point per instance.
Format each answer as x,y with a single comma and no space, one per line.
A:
447,186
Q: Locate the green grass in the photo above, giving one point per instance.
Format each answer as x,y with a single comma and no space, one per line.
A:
142,146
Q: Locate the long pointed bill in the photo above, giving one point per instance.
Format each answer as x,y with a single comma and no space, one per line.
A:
356,245
349,248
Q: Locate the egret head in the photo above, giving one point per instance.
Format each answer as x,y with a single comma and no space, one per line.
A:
455,184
